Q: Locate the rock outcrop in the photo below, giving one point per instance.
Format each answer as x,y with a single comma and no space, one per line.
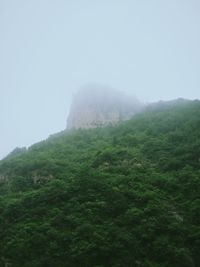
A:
96,105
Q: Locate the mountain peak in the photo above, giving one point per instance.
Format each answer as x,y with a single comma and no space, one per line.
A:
97,105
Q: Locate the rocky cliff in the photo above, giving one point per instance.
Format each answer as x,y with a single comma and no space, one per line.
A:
96,105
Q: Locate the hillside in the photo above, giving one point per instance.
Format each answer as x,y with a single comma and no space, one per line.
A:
125,195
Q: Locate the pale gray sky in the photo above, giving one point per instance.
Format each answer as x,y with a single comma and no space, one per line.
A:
49,48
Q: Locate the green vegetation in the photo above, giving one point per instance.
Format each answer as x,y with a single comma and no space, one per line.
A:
123,196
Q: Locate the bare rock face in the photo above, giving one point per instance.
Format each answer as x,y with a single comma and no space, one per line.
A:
96,105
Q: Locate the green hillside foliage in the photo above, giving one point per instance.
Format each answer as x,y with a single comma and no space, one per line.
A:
118,196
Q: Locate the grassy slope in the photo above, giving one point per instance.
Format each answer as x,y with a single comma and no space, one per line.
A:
114,196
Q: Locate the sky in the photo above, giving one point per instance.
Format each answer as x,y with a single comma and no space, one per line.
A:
50,48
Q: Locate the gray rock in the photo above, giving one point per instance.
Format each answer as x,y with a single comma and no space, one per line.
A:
97,105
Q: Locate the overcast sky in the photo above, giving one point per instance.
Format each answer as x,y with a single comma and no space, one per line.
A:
49,48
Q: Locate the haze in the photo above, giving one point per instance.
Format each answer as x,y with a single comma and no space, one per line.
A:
48,49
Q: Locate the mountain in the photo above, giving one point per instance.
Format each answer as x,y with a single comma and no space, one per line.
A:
97,105
122,195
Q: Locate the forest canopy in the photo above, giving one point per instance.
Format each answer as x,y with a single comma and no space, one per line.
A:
125,195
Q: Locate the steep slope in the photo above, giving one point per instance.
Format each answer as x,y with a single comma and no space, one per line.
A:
115,196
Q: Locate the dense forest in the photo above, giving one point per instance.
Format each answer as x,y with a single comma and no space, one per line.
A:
116,196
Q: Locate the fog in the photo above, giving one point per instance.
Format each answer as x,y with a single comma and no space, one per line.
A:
49,49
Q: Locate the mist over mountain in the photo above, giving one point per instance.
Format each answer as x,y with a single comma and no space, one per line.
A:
120,195
98,105
99,178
